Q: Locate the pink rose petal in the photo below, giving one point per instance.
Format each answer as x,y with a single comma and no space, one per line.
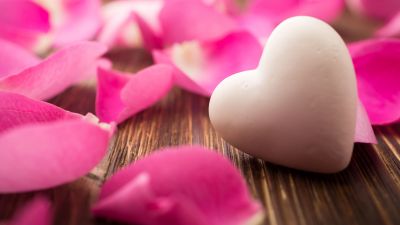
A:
50,154
157,190
187,20
391,29
120,96
202,65
35,212
73,20
364,132
132,23
23,22
377,67
382,9
54,74
16,110
14,59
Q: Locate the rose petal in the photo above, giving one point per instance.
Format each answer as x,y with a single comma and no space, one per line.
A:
364,132
202,65
382,9
14,59
23,22
17,110
185,20
50,154
132,23
54,74
35,212
391,29
376,63
120,96
156,190
73,20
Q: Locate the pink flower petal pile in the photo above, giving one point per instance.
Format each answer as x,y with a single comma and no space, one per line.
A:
179,186
377,68
43,146
27,75
381,10
36,212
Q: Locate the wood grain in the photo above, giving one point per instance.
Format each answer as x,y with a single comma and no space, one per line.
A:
367,192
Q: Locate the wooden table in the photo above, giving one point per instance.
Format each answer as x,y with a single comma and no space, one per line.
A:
367,192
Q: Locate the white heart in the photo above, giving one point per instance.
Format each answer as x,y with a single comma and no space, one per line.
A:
298,108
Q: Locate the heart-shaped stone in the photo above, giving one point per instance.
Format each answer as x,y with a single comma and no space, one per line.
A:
298,108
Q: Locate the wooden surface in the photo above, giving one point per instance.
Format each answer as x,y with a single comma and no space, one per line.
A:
367,192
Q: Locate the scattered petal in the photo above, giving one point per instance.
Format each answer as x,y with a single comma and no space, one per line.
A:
132,23
156,190
364,132
201,66
54,74
376,63
73,20
382,9
17,110
391,29
35,212
188,20
23,22
120,96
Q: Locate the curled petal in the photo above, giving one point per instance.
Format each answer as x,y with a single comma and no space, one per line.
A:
23,22
382,10
50,154
132,23
54,74
184,20
201,66
363,132
155,190
120,96
17,110
376,64
391,29
35,212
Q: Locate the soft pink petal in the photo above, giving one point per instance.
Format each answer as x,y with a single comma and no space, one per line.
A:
186,20
391,29
50,154
14,58
119,96
132,23
203,65
17,110
364,132
382,9
23,22
377,67
156,190
54,74
35,212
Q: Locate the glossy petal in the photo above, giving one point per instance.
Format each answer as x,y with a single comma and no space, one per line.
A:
377,67
17,110
35,212
156,190
23,22
132,23
120,96
54,74
382,9
391,29
73,20
65,151
187,20
202,65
